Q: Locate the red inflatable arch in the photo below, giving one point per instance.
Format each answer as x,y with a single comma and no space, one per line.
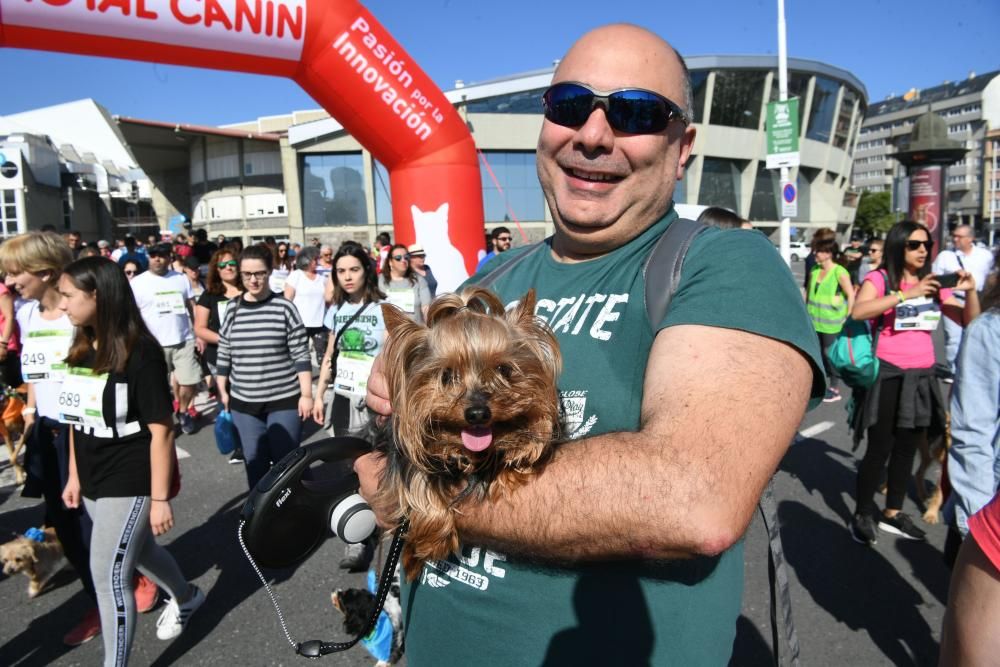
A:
338,53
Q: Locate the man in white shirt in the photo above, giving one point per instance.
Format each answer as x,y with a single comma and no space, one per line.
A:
966,257
164,298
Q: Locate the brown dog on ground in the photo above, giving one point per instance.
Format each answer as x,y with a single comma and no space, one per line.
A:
930,452
39,561
12,425
475,412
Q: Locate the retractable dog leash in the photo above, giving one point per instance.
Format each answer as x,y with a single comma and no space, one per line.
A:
315,648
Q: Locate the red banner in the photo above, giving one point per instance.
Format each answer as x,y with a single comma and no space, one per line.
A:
338,53
926,201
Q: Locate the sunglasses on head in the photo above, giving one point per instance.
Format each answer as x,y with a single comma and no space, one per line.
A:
913,245
629,110
230,263
400,258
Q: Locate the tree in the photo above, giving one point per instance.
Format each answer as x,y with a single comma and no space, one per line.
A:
874,216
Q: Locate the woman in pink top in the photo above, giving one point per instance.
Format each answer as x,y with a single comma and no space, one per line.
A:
905,302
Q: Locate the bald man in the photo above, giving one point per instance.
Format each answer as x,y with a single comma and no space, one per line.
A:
965,256
626,549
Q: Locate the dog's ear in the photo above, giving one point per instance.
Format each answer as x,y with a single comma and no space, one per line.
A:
524,313
396,319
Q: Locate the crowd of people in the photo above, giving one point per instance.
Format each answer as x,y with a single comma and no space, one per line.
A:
673,428
113,347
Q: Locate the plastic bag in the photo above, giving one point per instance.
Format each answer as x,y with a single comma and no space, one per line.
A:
226,438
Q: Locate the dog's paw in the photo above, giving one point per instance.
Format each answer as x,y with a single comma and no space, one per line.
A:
932,517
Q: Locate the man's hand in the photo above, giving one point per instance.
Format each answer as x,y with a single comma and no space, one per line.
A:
370,468
377,396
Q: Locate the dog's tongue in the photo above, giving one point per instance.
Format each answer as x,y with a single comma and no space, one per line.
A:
477,438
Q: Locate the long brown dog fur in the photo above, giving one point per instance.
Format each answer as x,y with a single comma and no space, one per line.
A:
930,452
39,561
471,355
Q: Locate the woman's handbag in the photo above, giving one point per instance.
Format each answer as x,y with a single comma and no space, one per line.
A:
852,354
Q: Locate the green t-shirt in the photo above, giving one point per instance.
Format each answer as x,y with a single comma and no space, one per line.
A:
487,608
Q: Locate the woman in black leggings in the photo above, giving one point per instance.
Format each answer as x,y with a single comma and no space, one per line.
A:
905,302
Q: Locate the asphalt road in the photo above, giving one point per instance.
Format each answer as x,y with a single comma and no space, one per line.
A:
853,605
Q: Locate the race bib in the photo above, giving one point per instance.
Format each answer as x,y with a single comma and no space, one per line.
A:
42,354
403,298
169,303
353,369
81,398
920,314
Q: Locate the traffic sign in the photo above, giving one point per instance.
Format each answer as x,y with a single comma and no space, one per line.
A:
789,200
783,134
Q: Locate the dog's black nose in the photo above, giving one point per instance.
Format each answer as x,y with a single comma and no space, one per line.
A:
478,414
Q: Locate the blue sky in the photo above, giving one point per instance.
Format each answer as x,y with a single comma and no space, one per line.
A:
890,45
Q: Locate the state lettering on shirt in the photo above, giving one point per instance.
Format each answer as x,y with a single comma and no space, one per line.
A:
569,315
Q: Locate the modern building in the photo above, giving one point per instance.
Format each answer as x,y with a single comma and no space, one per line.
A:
67,166
991,185
302,176
970,107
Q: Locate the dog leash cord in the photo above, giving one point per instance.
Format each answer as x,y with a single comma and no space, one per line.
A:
270,593
315,648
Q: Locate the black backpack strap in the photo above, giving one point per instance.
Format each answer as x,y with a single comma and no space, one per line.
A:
662,271
662,275
496,274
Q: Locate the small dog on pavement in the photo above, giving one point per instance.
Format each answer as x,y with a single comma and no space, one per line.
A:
12,425
929,453
37,553
385,643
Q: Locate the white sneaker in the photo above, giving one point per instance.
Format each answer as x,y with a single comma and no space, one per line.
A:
175,617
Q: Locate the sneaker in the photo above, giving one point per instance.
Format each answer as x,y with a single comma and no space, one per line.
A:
187,423
85,630
901,525
863,529
237,457
832,396
147,595
175,617
357,557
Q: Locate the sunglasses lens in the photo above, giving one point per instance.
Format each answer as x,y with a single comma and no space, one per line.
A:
637,112
568,104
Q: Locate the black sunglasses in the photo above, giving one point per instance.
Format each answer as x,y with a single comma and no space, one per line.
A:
913,245
400,258
629,110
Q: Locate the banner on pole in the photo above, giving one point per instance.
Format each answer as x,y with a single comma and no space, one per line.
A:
783,134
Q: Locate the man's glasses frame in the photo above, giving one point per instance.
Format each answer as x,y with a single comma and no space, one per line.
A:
628,110
254,275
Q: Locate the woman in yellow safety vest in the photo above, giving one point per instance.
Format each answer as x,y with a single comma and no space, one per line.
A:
829,298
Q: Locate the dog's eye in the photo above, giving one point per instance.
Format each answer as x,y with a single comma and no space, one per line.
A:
448,376
505,370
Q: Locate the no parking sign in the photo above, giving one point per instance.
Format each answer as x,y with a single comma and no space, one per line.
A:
789,200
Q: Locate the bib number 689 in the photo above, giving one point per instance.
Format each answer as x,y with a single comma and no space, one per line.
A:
69,400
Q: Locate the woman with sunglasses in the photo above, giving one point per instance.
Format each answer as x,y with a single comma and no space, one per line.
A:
222,285
283,264
119,403
131,268
404,287
264,372
904,302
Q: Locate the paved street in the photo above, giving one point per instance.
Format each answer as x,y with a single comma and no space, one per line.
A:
853,605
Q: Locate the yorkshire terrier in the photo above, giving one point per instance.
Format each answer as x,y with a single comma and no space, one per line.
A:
475,412
40,559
